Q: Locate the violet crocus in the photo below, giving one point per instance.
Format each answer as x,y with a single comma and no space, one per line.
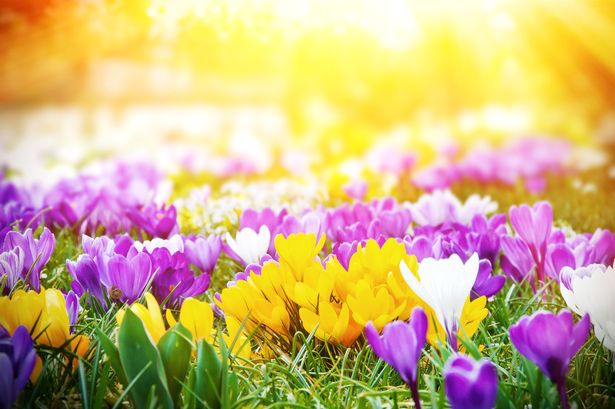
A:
203,252
400,346
470,384
155,221
36,253
525,254
11,267
17,361
551,341
129,276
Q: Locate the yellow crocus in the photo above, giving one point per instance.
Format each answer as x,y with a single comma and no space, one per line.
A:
44,314
197,316
236,339
332,321
151,316
374,304
298,251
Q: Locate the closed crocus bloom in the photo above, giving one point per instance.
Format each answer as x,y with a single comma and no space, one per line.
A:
44,314
17,361
11,266
197,316
248,245
129,276
36,252
550,341
400,345
150,315
470,384
589,290
204,252
445,286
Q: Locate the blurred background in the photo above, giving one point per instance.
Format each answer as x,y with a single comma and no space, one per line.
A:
185,82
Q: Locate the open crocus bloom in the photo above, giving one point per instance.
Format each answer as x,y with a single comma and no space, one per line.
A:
248,245
445,286
589,290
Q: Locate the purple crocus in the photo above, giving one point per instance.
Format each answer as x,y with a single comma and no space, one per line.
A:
36,253
470,384
17,360
526,253
155,221
400,346
550,341
11,267
128,276
72,307
203,252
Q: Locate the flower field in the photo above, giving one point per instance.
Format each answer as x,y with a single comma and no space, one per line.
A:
307,204
261,292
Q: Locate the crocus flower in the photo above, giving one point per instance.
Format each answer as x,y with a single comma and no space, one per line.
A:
36,253
589,290
87,278
400,345
526,253
253,219
550,341
470,384
445,286
45,316
204,252
11,267
128,276
17,360
248,246
155,221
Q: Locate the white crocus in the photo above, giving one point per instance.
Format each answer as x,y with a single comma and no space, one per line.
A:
174,244
249,245
591,290
445,286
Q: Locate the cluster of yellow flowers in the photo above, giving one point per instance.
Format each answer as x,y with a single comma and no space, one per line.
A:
197,316
299,293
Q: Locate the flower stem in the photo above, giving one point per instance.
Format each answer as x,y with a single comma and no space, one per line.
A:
415,394
561,388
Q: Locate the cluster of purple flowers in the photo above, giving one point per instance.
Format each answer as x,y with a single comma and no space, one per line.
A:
537,251
16,208
528,160
120,270
119,199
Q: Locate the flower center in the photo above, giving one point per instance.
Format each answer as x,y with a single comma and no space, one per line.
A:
115,293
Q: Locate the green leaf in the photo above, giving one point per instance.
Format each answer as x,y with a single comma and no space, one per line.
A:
113,355
208,377
175,349
137,351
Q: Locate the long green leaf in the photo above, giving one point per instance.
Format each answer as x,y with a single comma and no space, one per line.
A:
137,350
175,349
